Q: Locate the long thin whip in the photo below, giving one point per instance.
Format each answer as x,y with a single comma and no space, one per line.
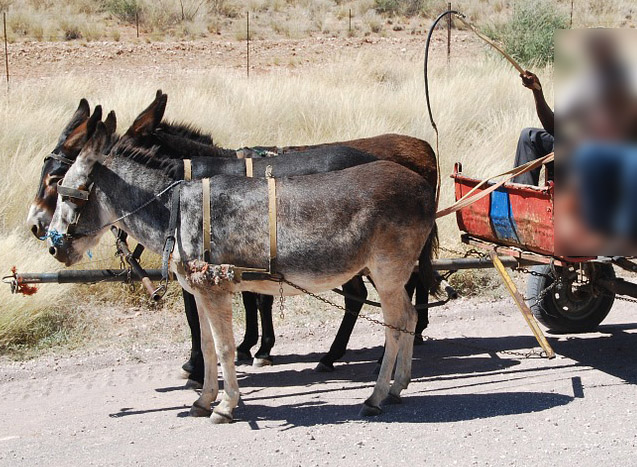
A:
497,47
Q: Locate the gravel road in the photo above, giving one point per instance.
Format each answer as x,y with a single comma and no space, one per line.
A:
475,399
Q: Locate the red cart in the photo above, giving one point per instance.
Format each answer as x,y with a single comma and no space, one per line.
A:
565,294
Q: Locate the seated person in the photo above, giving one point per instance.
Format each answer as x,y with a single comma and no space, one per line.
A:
535,142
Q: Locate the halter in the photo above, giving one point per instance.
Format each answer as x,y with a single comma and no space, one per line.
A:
59,157
80,197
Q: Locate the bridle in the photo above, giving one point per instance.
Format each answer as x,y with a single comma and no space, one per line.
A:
79,197
59,157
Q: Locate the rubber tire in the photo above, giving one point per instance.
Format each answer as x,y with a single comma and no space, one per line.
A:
549,313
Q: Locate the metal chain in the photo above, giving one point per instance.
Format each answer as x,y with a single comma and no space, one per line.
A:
533,273
626,299
342,308
281,301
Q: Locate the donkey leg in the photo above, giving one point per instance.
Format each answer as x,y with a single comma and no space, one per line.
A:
422,298
251,336
219,311
263,357
394,313
402,375
355,287
195,365
210,390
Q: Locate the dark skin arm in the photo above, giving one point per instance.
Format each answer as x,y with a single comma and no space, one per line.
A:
544,112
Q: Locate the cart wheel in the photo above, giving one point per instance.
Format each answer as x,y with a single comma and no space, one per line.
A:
574,304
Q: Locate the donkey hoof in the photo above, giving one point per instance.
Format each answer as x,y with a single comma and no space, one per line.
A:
199,411
324,368
243,356
260,362
392,399
369,410
218,418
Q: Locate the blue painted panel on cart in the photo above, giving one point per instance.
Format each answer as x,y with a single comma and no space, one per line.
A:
501,215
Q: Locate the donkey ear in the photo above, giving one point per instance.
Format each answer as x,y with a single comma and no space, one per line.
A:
111,122
91,124
76,139
81,114
150,117
93,150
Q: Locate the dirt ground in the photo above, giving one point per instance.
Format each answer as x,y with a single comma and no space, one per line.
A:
475,399
39,60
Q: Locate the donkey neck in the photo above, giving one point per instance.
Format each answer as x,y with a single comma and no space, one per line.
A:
122,186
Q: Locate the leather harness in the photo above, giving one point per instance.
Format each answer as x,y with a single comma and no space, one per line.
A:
272,219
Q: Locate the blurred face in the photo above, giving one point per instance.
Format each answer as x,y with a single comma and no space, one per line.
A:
596,143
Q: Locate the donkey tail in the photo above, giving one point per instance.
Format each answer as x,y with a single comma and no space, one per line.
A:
425,261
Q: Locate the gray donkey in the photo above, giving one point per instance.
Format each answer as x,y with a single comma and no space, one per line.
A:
372,219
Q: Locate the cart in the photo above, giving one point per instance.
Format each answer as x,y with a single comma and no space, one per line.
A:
566,294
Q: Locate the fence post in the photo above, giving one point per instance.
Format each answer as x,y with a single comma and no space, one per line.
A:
350,20
571,23
448,33
248,44
6,49
137,22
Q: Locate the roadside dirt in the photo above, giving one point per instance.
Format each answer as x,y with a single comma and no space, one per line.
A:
475,399
35,60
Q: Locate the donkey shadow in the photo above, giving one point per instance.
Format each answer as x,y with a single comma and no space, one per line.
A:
611,350
414,409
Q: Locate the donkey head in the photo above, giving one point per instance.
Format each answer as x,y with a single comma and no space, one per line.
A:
72,230
73,137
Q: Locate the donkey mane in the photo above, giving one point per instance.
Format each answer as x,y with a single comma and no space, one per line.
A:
185,130
149,157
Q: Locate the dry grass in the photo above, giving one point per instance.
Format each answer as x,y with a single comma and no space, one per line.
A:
97,20
479,105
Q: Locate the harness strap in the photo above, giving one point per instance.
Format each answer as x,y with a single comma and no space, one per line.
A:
272,217
187,169
205,187
59,157
249,167
169,244
72,192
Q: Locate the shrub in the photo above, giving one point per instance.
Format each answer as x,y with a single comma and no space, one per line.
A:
123,9
409,7
528,36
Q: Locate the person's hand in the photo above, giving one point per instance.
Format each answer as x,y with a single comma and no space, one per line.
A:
529,80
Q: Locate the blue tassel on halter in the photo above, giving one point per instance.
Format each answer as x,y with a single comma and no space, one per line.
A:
55,236
89,253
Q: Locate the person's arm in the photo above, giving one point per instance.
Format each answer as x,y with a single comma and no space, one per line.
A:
544,112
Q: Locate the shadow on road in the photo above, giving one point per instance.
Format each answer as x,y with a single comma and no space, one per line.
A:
460,363
415,409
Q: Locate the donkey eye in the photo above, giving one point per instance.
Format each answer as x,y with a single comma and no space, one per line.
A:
54,179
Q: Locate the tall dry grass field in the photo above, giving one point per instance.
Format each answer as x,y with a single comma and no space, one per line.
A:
479,104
